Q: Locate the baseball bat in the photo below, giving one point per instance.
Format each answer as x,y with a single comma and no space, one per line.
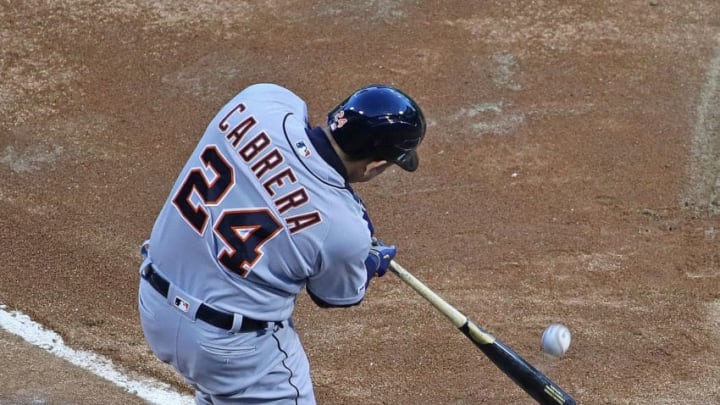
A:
535,383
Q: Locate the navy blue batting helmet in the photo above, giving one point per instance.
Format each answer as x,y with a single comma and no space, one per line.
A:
379,122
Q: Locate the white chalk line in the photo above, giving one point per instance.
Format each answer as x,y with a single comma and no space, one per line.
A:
703,164
153,391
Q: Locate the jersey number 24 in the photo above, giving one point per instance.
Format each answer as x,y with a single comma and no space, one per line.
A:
244,231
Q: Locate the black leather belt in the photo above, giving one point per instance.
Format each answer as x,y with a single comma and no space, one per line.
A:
205,313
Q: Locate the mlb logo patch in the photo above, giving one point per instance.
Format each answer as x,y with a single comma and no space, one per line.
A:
302,149
181,304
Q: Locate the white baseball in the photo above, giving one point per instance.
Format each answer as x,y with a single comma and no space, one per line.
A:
556,340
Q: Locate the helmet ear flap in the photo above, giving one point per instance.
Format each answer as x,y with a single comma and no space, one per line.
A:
379,122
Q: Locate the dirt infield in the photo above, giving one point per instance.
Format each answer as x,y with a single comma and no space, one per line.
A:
571,173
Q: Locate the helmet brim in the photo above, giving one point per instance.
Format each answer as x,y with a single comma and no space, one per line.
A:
408,161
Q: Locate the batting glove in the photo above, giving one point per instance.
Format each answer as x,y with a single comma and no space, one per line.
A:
379,258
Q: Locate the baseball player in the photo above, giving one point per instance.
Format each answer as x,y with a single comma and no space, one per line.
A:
262,210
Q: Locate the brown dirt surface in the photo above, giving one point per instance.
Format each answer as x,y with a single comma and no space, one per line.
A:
571,173
31,376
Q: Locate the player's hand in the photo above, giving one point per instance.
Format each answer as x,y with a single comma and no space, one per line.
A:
379,258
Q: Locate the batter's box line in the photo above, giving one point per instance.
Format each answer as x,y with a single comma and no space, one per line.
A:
153,391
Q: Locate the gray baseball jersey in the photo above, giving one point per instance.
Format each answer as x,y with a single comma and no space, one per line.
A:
257,214
260,211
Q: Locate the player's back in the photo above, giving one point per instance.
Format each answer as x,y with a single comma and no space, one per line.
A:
256,212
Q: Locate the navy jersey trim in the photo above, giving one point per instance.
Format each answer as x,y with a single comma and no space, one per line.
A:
295,152
324,148
323,304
